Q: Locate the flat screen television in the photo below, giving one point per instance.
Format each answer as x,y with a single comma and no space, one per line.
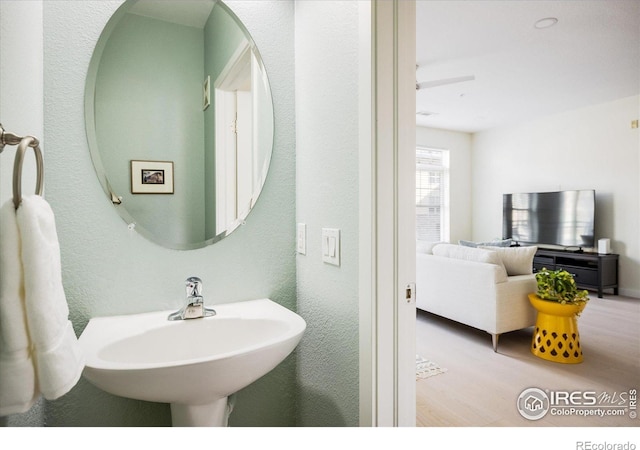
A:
565,218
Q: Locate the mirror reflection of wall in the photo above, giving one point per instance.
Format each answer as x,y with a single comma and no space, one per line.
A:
148,106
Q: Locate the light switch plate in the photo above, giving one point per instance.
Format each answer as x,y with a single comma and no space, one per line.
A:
301,239
331,246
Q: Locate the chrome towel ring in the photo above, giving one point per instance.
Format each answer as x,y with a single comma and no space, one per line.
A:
23,143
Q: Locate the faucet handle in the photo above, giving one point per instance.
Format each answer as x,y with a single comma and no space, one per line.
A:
193,287
194,308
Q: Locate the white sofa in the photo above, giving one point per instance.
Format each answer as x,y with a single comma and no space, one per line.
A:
485,287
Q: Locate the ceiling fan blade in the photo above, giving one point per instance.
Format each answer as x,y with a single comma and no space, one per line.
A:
444,81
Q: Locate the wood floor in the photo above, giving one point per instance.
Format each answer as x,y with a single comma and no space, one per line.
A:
481,388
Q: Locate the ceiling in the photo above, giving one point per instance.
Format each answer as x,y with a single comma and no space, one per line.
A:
191,13
590,56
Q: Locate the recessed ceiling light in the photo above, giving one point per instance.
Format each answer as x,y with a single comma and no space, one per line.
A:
545,23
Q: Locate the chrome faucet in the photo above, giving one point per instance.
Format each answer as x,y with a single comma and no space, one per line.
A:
194,309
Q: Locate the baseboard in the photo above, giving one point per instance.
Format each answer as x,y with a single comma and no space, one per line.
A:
629,292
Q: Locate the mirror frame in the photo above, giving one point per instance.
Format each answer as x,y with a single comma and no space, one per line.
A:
96,158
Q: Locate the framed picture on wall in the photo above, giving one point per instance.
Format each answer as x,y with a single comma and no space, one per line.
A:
151,177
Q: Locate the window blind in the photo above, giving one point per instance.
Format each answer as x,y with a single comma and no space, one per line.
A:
432,194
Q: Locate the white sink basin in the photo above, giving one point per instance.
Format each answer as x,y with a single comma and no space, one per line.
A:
192,364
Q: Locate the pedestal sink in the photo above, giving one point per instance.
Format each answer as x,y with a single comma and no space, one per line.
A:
192,364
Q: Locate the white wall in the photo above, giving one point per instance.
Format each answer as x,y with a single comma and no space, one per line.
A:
20,86
327,196
21,112
459,146
588,148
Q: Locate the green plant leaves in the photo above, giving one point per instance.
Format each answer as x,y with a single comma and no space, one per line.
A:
559,286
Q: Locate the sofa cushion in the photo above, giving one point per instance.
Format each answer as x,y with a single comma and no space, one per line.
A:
516,260
426,246
494,243
481,255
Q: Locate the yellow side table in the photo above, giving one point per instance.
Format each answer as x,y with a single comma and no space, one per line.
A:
556,336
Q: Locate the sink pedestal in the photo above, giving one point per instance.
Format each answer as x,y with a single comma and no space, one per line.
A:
214,414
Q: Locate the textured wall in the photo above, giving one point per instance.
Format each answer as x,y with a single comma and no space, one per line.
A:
21,113
20,85
110,270
327,196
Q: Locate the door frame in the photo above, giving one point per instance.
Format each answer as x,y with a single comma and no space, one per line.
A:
387,213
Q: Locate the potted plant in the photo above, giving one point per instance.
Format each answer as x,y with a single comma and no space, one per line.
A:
559,302
559,286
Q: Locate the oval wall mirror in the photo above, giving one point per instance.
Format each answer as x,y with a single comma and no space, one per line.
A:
179,119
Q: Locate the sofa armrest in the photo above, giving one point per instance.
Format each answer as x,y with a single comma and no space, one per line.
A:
474,293
461,290
513,309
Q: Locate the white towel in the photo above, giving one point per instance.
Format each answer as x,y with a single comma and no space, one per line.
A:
17,372
55,351
59,361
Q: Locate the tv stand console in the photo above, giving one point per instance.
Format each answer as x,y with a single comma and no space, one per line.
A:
590,270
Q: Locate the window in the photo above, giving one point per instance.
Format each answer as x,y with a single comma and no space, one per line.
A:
432,194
